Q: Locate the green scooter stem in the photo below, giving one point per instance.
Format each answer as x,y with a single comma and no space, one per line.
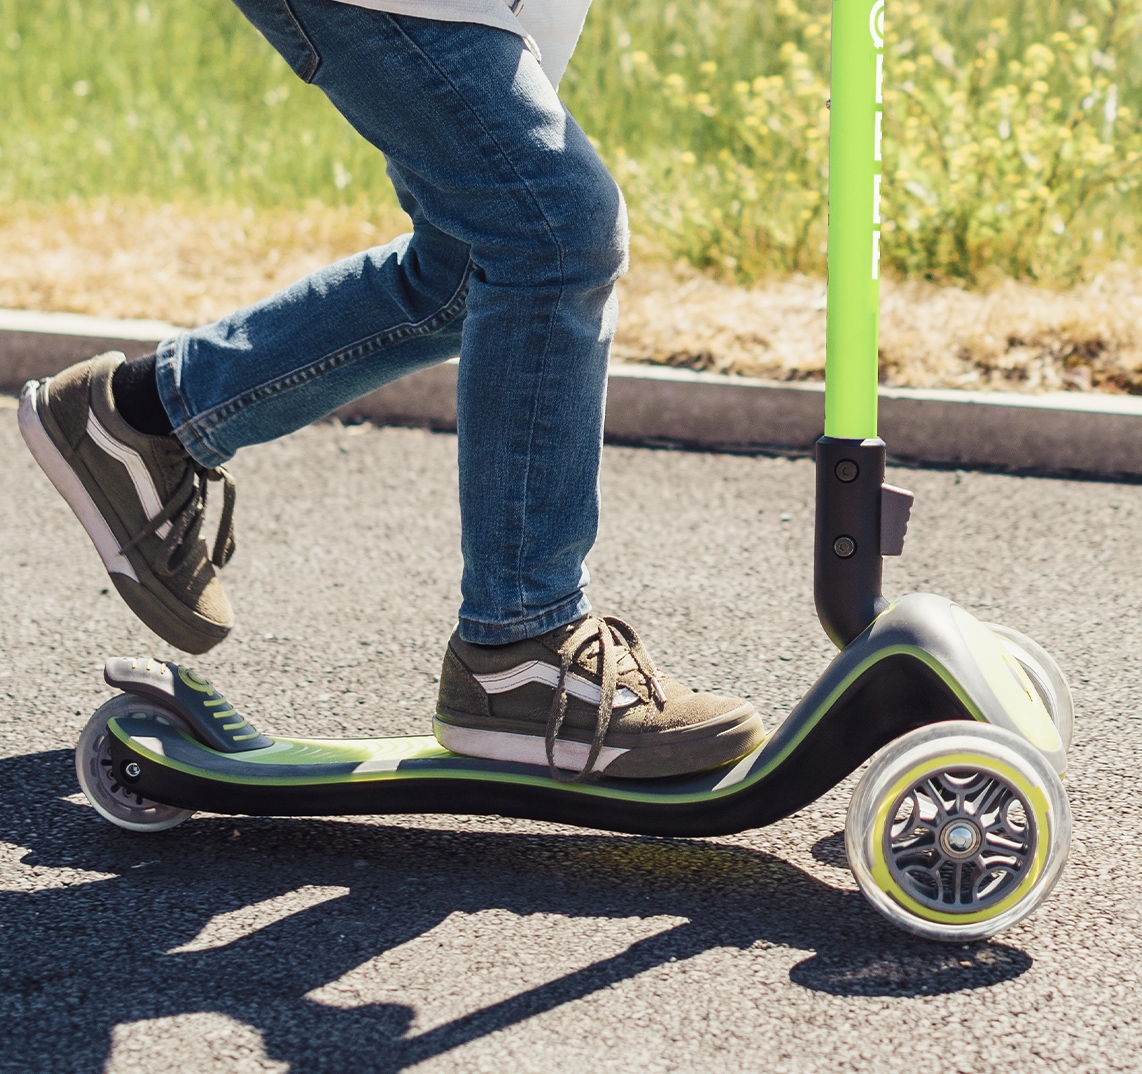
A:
850,457
852,319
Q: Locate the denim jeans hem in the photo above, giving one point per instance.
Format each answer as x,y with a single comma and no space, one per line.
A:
520,630
166,361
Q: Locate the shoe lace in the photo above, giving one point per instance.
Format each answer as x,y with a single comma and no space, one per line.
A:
186,512
615,639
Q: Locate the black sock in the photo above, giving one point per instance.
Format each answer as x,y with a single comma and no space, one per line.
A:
136,393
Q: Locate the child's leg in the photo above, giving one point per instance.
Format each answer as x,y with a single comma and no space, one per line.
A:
341,332
520,234
500,174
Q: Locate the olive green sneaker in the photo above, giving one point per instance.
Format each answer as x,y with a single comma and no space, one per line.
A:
140,498
585,699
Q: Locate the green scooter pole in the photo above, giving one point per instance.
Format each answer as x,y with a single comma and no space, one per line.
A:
850,458
854,218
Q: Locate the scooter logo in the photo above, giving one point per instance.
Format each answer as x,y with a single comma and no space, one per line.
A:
876,32
876,24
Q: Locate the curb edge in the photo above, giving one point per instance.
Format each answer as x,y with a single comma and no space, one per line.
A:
1059,433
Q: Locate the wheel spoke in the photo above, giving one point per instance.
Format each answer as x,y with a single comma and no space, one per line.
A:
994,792
937,798
993,880
1002,841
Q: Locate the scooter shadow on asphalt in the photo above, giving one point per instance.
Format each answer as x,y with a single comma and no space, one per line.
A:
79,959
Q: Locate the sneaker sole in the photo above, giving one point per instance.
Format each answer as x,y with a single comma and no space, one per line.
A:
523,749
720,741
196,637
68,485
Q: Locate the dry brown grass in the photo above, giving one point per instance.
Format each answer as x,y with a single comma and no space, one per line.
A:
1017,337
179,263
189,265
1014,338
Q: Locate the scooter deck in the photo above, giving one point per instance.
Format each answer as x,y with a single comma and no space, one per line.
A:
921,662
807,755
407,775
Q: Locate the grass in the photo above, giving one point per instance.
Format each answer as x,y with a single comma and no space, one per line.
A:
175,100
1012,142
1012,133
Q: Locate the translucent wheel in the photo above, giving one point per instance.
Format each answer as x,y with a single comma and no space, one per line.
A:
958,830
110,798
1045,675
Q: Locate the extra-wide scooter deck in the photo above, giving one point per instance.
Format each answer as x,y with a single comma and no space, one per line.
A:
923,661
958,828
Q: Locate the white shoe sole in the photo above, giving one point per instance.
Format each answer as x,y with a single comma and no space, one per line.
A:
523,749
69,486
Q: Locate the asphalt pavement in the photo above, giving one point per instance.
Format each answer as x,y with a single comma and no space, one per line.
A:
481,944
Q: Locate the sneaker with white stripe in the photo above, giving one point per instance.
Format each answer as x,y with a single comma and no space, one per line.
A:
141,499
585,699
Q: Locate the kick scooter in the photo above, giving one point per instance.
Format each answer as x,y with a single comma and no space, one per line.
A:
958,828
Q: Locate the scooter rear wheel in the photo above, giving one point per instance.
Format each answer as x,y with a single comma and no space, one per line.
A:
1045,675
958,830
105,790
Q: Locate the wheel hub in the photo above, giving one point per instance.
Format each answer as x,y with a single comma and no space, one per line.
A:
960,840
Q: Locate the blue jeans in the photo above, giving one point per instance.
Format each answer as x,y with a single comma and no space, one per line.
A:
519,234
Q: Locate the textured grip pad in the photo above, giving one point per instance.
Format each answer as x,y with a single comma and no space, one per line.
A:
213,719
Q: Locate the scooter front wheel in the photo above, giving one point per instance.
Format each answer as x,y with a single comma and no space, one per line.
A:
105,789
957,831
1045,675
